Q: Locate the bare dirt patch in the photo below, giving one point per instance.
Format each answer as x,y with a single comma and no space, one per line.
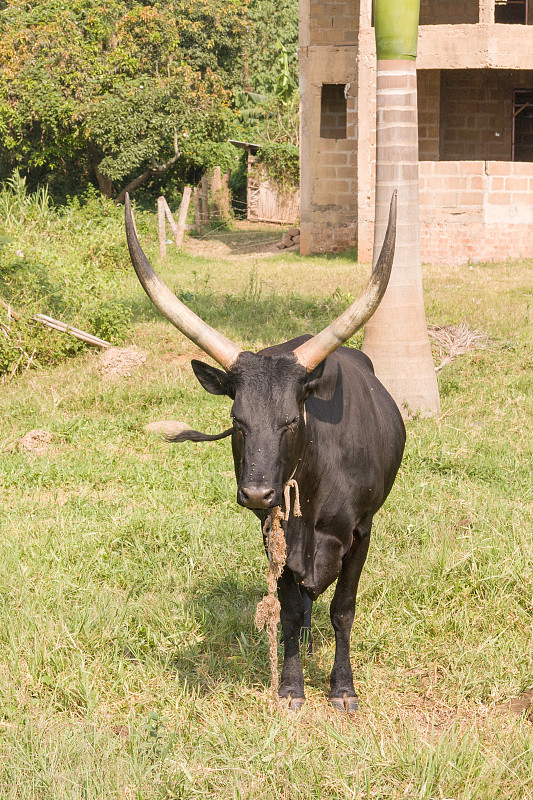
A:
244,238
521,705
117,361
35,441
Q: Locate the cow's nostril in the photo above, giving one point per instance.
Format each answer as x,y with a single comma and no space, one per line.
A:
256,496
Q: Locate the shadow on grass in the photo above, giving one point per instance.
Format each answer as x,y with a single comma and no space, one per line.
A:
248,317
232,651
243,242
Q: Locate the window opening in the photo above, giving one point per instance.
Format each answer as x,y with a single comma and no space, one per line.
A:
523,125
333,111
511,12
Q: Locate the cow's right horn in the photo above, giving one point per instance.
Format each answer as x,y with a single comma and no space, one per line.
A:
215,344
315,350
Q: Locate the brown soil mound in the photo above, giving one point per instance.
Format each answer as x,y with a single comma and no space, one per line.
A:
35,441
117,361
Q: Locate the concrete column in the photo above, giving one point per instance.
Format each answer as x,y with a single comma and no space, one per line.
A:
365,14
486,11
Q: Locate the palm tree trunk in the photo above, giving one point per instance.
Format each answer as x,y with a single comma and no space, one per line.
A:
396,337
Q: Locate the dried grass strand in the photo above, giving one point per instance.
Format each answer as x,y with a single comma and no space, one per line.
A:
452,341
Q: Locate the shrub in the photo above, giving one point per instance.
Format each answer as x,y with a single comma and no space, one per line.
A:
64,262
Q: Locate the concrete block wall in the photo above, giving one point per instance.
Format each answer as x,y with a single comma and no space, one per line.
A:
329,126
475,211
437,12
328,218
428,81
468,68
476,115
333,22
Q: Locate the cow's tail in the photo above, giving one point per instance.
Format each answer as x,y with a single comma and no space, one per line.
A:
196,436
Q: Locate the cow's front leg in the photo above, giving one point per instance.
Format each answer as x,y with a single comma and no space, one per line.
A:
292,619
342,611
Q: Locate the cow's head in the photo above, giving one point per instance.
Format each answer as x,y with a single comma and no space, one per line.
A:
268,417
268,391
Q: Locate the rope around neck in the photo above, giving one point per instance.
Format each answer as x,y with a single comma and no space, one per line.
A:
268,609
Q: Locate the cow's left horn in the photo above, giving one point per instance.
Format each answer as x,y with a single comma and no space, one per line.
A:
215,344
315,350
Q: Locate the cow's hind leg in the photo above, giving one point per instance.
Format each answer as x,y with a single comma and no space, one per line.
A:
342,611
292,619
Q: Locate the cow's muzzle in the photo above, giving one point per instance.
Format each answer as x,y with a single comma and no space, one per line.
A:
256,497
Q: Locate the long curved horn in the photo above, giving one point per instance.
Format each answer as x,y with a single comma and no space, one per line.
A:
315,350
215,344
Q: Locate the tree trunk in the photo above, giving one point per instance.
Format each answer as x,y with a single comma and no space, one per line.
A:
132,185
104,183
396,337
156,169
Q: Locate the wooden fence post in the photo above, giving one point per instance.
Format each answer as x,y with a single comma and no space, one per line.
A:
162,236
182,216
170,218
216,181
205,201
197,214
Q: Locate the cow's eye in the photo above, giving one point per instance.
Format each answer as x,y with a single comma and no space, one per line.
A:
292,424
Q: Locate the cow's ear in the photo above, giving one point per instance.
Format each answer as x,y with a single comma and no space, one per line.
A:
212,379
312,381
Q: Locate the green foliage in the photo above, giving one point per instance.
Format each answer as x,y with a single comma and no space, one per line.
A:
270,47
109,92
274,114
103,90
77,283
282,163
211,35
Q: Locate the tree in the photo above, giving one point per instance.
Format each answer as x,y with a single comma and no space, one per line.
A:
87,86
396,337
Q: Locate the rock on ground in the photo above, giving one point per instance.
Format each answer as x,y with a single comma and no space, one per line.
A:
167,427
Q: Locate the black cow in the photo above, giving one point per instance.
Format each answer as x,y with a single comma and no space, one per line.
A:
314,411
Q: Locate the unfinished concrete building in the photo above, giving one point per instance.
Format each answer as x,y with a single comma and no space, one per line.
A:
475,101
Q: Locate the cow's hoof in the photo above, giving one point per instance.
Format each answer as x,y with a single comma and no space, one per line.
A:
291,704
345,704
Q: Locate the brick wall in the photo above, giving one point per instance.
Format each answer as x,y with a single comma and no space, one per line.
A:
334,22
333,193
475,210
333,111
328,211
428,114
476,114
477,111
437,12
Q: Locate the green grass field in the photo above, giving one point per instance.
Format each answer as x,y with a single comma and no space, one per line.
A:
129,662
